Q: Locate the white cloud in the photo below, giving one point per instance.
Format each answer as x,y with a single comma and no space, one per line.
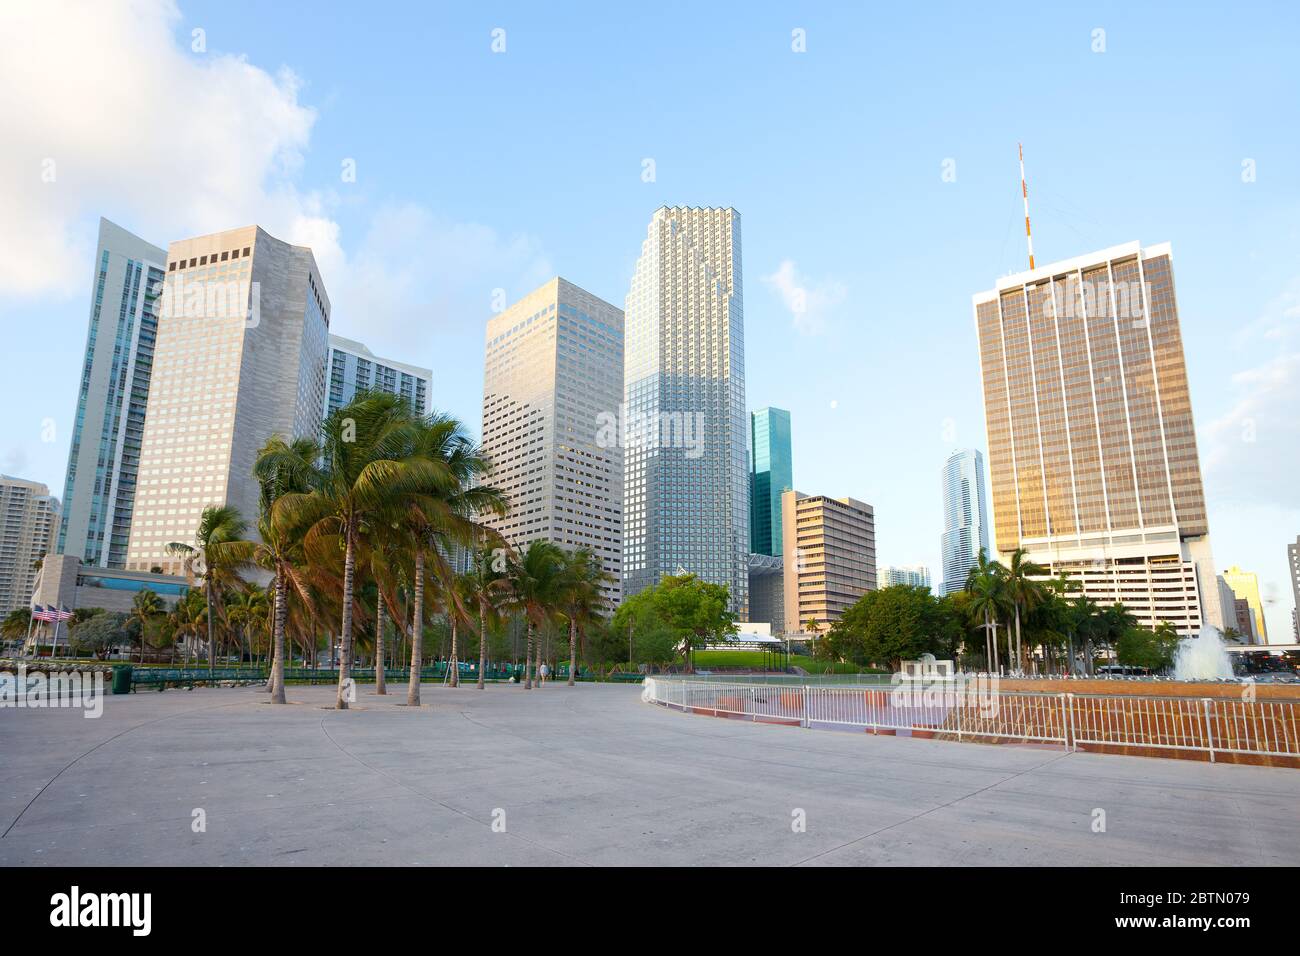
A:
173,143
415,273
809,306
103,98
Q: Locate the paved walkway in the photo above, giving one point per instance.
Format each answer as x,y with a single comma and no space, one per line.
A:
588,775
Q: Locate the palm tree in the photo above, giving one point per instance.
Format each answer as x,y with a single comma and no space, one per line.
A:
985,582
1024,592
212,559
444,515
146,607
185,620
535,583
367,470
247,613
16,623
489,583
580,596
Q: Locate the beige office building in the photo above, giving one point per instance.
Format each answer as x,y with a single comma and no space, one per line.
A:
1245,586
552,383
29,520
829,557
1092,449
240,356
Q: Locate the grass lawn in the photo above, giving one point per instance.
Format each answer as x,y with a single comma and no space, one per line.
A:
758,659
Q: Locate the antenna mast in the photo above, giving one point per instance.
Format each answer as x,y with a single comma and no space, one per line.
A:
1024,192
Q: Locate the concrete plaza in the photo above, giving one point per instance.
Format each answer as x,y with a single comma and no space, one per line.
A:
588,775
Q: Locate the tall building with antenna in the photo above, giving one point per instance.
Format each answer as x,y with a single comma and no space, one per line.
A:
1092,447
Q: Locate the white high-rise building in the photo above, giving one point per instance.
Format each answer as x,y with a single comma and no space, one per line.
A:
687,486
99,487
28,519
965,517
553,376
1092,447
915,575
240,356
354,368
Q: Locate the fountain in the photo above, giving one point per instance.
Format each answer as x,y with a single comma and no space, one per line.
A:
1202,657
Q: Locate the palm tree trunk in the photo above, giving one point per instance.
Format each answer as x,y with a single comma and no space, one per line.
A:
277,662
345,630
1020,664
997,663
381,684
212,639
528,658
482,643
453,672
417,645
573,648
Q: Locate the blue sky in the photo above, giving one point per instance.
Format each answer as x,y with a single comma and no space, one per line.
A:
478,170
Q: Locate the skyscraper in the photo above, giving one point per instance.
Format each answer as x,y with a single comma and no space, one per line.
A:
1091,442
687,479
830,557
240,356
28,519
354,368
771,473
100,483
1245,585
552,385
965,517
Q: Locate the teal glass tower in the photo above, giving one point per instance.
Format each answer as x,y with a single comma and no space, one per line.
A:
771,472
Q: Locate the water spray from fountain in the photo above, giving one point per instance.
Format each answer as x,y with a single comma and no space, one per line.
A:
1204,657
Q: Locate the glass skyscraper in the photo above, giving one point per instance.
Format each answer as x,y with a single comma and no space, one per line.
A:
771,474
686,493
104,458
965,517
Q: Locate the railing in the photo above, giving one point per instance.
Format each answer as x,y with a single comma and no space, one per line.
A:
1197,726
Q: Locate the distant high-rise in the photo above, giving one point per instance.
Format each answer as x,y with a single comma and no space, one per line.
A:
965,517
354,368
28,519
100,483
771,474
240,356
1245,585
916,575
829,560
1092,448
552,385
687,479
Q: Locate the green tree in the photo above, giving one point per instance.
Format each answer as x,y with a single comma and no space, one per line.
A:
581,598
639,630
696,611
366,472
100,633
146,608
15,625
1024,593
535,580
898,623
1152,649
488,584
213,557
986,585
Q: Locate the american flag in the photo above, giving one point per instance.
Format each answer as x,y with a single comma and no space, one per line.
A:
62,614
42,613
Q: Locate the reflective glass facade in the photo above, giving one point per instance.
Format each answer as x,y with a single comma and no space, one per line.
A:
965,517
104,458
687,476
771,474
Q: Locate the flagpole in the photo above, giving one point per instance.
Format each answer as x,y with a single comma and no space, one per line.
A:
31,619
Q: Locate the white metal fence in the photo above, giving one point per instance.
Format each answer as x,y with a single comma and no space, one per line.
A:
1204,725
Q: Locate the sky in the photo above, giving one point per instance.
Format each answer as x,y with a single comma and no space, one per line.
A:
872,157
